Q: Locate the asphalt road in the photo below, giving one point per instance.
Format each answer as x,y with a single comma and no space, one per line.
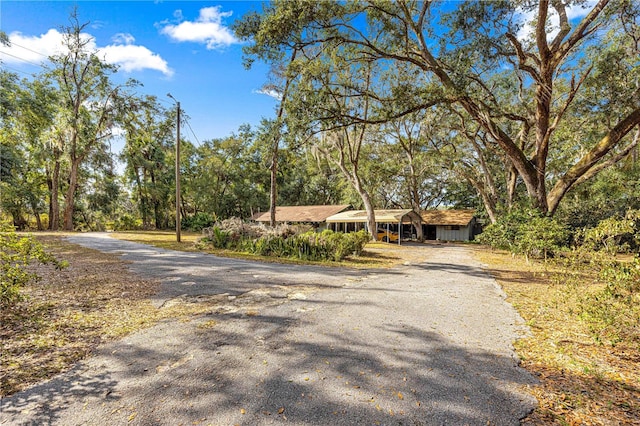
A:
423,344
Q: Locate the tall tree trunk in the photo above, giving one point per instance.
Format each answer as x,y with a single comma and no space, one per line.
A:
273,194
54,204
70,195
368,206
415,201
512,181
34,208
143,202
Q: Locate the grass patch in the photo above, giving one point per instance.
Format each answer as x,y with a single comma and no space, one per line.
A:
583,382
162,239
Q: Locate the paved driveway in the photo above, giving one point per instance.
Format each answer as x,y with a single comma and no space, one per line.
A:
422,344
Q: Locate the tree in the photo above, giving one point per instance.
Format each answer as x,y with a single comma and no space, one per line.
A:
461,56
26,115
148,142
89,106
231,177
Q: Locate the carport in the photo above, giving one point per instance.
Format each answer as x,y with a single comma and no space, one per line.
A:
355,220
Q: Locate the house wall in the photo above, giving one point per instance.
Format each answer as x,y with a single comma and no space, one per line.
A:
445,233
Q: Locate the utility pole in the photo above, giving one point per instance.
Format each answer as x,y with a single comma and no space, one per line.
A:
178,225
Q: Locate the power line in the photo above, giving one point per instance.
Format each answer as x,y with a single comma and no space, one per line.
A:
21,59
192,132
15,70
30,50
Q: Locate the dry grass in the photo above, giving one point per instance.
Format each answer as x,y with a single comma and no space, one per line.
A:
583,382
162,239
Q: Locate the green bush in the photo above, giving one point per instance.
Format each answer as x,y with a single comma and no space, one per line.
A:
613,313
288,241
527,232
16,254
540,237
127,222
198,222
217,238
614,235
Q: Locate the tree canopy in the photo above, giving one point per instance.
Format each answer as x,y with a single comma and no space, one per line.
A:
524,82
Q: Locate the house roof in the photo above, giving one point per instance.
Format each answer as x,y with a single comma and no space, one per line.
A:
382,216
447,217
314,214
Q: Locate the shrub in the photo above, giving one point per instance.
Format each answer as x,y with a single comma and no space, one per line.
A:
127,222
217,237
613,313
16,253
527,232
614,235
198,222
540,237
292,241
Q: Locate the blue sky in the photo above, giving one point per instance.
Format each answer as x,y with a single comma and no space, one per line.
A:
182,47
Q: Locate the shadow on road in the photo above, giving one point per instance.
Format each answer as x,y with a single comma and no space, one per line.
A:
259,369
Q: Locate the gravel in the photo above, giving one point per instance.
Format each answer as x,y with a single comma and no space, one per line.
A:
426,343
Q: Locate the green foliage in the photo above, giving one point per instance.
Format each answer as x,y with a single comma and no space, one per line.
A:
541,236
327,245
16,254
526,231
613,313
612,310
297,242
127,222
198,222
614,235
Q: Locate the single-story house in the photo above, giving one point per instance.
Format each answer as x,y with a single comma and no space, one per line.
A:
315,216
390,223
449,225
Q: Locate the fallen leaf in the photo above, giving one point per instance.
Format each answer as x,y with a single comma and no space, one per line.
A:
243,411
400,396
280,410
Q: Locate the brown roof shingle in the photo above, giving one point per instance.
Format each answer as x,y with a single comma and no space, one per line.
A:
315,214
447,217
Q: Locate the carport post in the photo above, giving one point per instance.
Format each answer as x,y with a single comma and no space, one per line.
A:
399,231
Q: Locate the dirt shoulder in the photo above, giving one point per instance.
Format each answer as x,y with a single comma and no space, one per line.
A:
582,381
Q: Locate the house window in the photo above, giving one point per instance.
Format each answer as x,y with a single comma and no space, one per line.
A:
452,227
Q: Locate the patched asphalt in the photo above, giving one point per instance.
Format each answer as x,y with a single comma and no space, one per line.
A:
428,343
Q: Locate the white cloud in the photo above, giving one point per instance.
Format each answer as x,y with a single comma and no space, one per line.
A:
37,49
135,58
34,49
269,92
122,38
207,28
573,12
